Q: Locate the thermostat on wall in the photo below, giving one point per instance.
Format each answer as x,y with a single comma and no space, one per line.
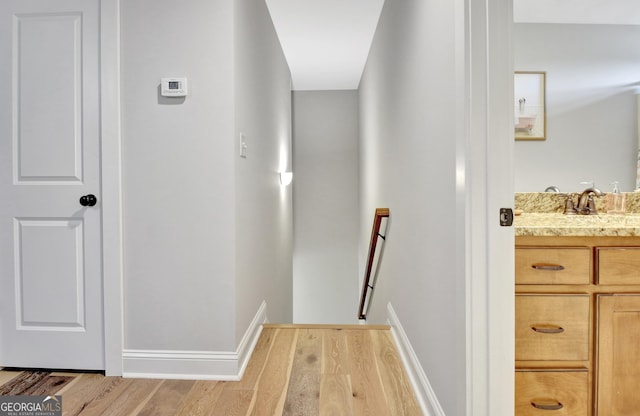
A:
173,87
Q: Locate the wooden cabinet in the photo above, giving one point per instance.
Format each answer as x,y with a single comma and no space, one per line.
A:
618,355
577,326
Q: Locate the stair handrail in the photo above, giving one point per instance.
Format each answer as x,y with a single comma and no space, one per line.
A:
373,242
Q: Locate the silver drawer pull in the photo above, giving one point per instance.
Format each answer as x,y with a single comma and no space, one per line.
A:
555,405
548,329
550,267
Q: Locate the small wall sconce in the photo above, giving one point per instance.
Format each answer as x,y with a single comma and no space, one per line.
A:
286,178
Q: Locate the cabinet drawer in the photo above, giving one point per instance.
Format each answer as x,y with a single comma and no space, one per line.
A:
563,393
549,266
552,327
618,265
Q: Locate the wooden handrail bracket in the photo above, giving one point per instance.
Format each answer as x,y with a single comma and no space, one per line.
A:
367,283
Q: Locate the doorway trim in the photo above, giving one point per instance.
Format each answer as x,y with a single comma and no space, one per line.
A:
110,142
487,150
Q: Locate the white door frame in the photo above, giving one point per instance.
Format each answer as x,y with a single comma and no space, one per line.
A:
487,152
112,255
490,297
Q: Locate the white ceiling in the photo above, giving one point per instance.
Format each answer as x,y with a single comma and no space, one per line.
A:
625,12
326,42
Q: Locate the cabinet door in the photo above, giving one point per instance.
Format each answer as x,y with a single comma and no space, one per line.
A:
618,361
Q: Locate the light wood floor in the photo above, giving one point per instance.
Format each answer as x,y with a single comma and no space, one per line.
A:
294,370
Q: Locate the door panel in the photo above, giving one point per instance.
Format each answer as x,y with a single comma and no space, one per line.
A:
51,312
47,105
45,298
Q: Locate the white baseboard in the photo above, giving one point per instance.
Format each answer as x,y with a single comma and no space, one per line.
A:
250,339
424,392
195,365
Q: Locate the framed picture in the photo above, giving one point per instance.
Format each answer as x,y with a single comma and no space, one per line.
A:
529,105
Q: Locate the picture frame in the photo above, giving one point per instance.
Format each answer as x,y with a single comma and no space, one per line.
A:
530,115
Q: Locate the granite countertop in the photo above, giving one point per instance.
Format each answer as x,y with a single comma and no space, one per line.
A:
542,216
554,224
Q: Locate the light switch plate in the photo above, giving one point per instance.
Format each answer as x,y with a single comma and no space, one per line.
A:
243,146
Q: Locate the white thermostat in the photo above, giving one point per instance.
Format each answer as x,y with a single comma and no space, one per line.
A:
173,87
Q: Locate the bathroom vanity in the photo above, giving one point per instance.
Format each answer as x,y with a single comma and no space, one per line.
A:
577,331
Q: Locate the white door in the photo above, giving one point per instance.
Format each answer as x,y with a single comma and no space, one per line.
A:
51,303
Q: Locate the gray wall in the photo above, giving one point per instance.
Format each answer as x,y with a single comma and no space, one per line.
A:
408,163
177,161
263,209
326,211
206,235
592,83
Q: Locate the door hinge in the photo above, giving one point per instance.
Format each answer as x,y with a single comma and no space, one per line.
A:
506,217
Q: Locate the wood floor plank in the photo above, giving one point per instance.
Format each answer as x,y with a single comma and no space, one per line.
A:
133,399
75,378
67,373
368,393
48,386
293,371
398,392
303,392
124,398
334,352
235,403
23,382
272,385
6,376
110,388
167,399
335,395
201,399
326,326
256,363
77,395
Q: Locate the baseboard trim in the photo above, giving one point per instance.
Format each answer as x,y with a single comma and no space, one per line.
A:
424,392
196,365
250,338
328,326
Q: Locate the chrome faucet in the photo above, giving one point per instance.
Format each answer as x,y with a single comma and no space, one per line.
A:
586,204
